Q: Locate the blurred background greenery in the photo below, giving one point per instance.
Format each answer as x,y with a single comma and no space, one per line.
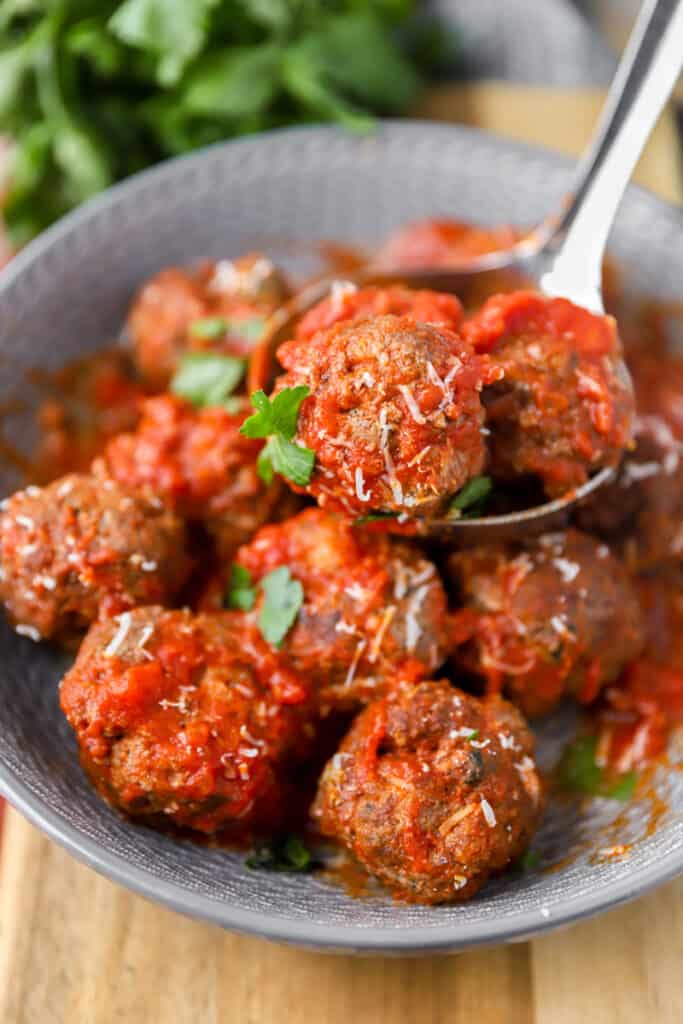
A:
94,90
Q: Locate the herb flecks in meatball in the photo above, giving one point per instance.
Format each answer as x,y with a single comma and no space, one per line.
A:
555,616
562,408
188,719
220,307
373,611
433,791
394,414
198,462
82,547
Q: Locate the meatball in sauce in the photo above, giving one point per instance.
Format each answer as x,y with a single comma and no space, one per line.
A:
555,616
394,414
562,408
197,462
240,292
84,546
373,612
433,791
191,720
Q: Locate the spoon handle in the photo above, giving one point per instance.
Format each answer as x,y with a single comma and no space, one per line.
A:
644,80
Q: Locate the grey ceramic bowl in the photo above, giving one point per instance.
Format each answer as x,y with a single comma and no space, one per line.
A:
67,293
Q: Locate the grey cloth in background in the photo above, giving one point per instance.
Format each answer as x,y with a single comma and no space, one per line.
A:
545,42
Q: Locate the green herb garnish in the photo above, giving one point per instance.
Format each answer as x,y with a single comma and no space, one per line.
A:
207,378
241,592
579,772
469,500
283,597
285,854
211,328
250,328
373,517
529,860
276,419
473,735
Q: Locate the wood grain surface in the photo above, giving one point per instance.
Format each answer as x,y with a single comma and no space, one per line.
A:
76,949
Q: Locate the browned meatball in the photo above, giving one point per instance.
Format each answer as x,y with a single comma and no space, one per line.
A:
563,407
193,718
199,463
556,616
394,415
641,512
373,609
433,791
242,292
84,546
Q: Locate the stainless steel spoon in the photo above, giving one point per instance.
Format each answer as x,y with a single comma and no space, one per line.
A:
564,255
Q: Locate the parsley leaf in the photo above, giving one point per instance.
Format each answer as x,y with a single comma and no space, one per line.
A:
211,328
287,459
234,82
287,853
624,787
283,597
173,33
276,419
471,497
579,772
276,416
529,860
374,517
250,328
241,592
207,378
473,735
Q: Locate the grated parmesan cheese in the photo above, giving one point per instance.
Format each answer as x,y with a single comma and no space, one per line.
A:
411,402
29,631
362,644
125,621
361,493
487,811
567,570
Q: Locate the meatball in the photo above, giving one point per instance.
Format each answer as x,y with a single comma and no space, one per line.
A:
84,546
641,511
373,610
394,414
242,291
563,406
658,381
442,243
192,718
346,302
556,616
91,400
197,461
433,791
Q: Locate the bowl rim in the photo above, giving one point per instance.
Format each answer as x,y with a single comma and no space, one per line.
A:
413,939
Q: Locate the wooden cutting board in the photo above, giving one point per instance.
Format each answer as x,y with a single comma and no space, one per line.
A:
76,949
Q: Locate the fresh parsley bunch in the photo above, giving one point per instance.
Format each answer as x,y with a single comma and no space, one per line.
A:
93,90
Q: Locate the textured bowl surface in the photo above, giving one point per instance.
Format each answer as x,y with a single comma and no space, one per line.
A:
67,293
